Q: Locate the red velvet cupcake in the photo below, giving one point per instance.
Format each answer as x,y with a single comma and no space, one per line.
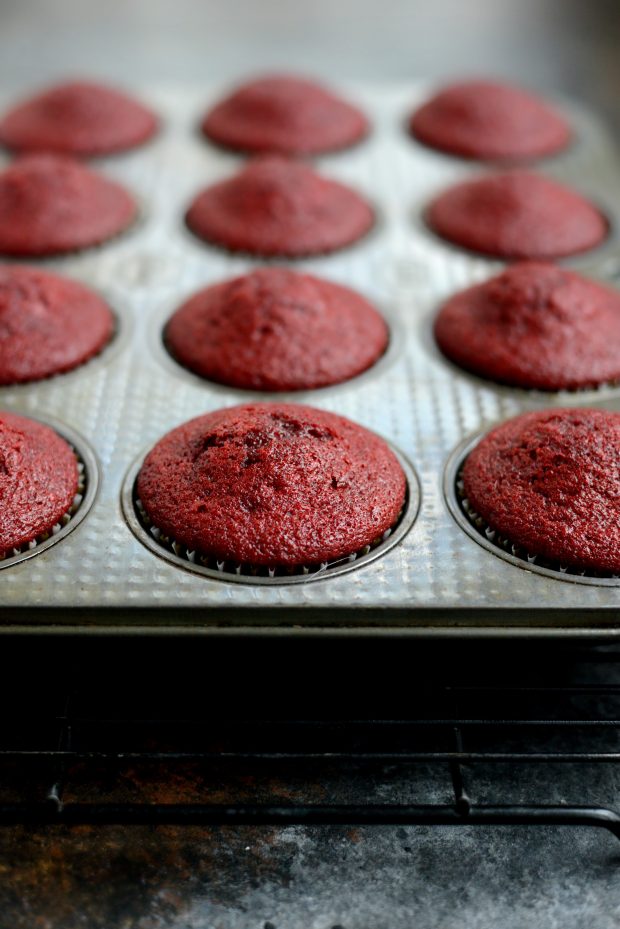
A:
275,329
80,118
50,205
517,215
534,326
490,121
279,208
272,485
38,481
549,483
48,324
286,115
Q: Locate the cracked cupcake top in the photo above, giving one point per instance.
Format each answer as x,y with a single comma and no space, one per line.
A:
535,326
276,329
272,484
550,482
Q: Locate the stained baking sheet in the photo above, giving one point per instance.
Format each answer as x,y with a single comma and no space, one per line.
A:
437,580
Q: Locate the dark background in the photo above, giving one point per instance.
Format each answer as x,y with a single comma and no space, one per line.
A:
566,45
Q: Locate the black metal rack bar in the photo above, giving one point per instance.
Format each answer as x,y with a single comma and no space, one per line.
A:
84,735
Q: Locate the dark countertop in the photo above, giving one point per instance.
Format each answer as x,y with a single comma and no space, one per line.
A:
113,877
372,877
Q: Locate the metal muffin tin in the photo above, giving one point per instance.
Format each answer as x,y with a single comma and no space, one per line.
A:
436,580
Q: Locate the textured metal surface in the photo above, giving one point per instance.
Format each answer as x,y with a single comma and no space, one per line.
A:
437,575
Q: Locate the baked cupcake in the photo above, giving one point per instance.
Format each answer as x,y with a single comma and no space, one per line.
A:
38,482
284,114
79,118
50,205
48,324
275,329
517,215
549,484
279,208
274,485
534,326
490,121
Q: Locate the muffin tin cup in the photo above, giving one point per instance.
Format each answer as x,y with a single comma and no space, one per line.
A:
367,240
581,132
602,259
435,582
207,566
491,540
88,484
606,394
164,357
58,260
121,336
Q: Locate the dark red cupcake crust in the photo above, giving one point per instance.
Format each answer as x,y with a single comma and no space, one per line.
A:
284,114
534,326
549,482
275,207
51,205
275,329
48,324
490,121
79,118
272,484
517,215
38,480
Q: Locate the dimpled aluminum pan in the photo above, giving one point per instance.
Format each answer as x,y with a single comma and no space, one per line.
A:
437,580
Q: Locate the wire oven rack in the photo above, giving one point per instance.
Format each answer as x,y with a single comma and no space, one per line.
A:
94,759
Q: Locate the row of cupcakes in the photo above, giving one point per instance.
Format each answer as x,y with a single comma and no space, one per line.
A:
295,510
51,205
290,115
534,326
274,206
289,489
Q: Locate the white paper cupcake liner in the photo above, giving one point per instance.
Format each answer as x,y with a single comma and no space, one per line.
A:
248,570
64,520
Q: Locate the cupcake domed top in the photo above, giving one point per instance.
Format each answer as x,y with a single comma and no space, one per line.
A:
80,118
272,484
284,114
